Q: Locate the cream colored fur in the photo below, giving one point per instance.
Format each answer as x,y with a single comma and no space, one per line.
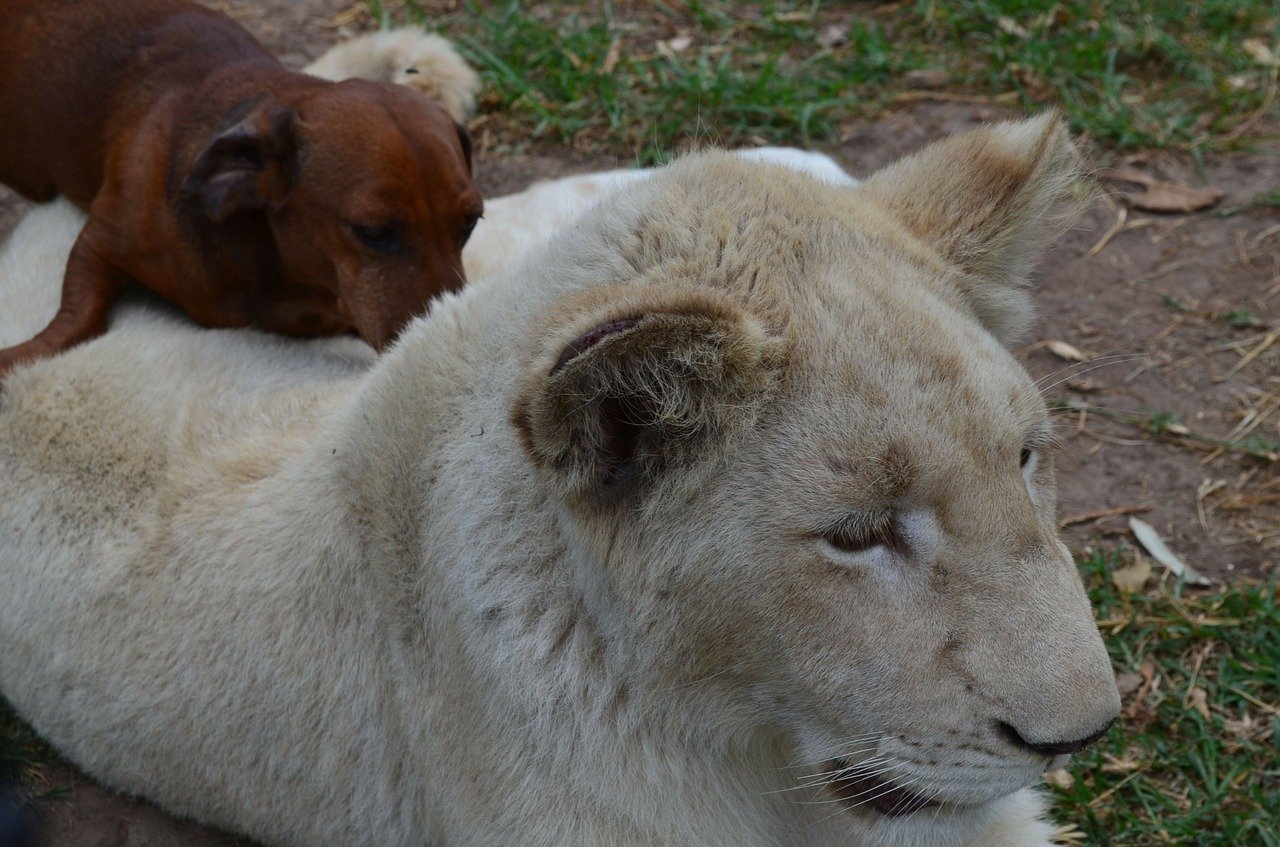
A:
519,582
514,225
408,56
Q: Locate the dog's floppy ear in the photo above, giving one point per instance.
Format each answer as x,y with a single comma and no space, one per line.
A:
250,165
987,201
637,382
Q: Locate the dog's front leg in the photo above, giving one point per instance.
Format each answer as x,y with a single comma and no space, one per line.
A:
89,288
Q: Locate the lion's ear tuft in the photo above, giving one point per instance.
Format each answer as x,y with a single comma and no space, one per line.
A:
639,381
987,201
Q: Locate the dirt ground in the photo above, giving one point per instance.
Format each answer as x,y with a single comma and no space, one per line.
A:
1155,293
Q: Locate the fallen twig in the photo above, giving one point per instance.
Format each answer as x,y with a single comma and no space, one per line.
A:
1101,514
1250,356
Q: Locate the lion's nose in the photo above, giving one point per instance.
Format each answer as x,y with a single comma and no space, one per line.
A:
1051,748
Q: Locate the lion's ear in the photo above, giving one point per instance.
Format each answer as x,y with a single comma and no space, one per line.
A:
637,382
987,201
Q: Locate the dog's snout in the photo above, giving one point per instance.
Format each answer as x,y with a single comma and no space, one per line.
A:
1051,748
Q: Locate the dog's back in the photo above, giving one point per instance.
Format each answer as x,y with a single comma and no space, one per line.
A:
242,192
70,69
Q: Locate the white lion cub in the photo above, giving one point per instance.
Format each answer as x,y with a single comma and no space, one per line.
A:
723,518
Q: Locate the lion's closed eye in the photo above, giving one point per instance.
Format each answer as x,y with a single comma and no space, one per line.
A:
860,533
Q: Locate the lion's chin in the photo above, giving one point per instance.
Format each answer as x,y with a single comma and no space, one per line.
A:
867,793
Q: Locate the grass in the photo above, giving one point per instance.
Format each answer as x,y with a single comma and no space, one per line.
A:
588,78
661,76
1239,319
25,757
1235,318
1131,73
1196,756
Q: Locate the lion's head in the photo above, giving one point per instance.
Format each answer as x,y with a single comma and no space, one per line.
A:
821,490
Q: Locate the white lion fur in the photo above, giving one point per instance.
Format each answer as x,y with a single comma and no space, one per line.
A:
288,590
407,56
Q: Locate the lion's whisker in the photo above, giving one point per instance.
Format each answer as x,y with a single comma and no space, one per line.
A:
866,748
830,776
841,749
840,811
1044,389
826,777
888,790
852,773
1105,358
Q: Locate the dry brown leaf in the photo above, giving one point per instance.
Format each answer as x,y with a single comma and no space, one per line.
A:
1068,835
1060,779
1130,761
1240,82
1160,196
1063,350
1009,25
833,35
1052,18
1246,728
1138,713
1260,52
926,78
1198,700
1168,197
350,16
1128,682
672,46
611,58
1131,579
1154,544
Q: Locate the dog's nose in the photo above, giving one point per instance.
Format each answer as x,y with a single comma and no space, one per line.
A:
1051,748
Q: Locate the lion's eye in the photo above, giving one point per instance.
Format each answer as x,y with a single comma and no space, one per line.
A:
857,534
851,543
1029,461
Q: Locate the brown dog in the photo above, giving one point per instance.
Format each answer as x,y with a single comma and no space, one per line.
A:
245,193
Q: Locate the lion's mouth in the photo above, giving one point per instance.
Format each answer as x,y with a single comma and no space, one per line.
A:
863,791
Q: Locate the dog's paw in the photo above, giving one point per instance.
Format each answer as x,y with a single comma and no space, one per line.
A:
408,56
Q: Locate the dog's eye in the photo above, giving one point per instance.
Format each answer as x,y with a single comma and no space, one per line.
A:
384,238
469,226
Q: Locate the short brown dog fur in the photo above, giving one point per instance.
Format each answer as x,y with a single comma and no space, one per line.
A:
245,193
